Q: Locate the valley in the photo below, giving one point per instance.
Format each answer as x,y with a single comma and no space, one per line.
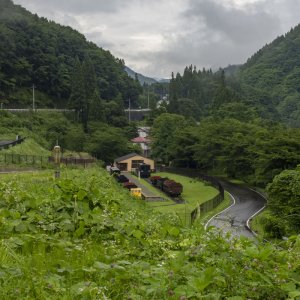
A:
69,230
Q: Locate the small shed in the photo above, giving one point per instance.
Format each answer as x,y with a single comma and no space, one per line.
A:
131,161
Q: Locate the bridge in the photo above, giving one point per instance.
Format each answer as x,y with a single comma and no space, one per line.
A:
37,109
131,114
137,114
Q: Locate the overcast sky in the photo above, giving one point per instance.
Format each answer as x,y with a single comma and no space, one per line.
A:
156,37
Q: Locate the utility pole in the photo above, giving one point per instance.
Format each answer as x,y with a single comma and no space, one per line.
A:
148,96
33,100
129,117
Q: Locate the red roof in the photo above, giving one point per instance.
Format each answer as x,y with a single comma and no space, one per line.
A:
140,140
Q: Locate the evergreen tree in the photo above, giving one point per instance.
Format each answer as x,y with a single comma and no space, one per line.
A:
91,89
77,99
173,92
97,107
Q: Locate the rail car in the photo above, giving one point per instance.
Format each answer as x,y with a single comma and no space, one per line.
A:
170,187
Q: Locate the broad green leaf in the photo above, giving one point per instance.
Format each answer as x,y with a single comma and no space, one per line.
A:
101,266
289,287
81,230
137,233
294,294
21,227
81,195
174,231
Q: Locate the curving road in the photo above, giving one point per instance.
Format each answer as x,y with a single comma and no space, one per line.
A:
246,203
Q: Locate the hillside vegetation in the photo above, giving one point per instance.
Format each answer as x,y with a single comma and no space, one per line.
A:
84,237
44,130
273,73
36,51
268,84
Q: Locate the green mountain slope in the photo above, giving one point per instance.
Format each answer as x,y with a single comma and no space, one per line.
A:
273,74
141,78
36,51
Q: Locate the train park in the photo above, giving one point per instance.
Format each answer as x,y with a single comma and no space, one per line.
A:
167,192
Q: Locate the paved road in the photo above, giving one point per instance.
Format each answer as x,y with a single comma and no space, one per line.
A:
234,219
149,195
4,142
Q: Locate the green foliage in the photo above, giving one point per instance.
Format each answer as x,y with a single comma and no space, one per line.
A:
198,86
35,50
106,143
163,132
102,140
274,71
83,237
195,192
28,147
252,151
284,201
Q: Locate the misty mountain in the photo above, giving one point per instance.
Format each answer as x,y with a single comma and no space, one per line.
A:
273,75
144,79
141,78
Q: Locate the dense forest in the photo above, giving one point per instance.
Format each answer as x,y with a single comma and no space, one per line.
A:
272,74
37,51
268,82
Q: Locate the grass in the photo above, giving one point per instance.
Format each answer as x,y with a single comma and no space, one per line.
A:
28,147
257,223
7,137
195,192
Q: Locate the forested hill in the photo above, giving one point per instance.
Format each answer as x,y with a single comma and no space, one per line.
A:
274,72
141,78
37,51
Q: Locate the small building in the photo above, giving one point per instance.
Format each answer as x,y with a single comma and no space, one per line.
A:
131,161
143,140
144,144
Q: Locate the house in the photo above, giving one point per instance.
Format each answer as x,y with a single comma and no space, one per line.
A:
143,140
131,161
144,144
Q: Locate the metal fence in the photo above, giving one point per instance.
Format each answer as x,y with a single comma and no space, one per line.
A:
209,204
20,159
74,161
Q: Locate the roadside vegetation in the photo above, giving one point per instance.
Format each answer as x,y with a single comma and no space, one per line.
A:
84,237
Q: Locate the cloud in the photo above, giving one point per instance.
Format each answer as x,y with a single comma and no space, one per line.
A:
160,36
78,7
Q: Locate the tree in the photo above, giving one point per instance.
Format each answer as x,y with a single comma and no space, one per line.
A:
97,107
182,148
163,133
284,199
91,89
107,143
77,99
